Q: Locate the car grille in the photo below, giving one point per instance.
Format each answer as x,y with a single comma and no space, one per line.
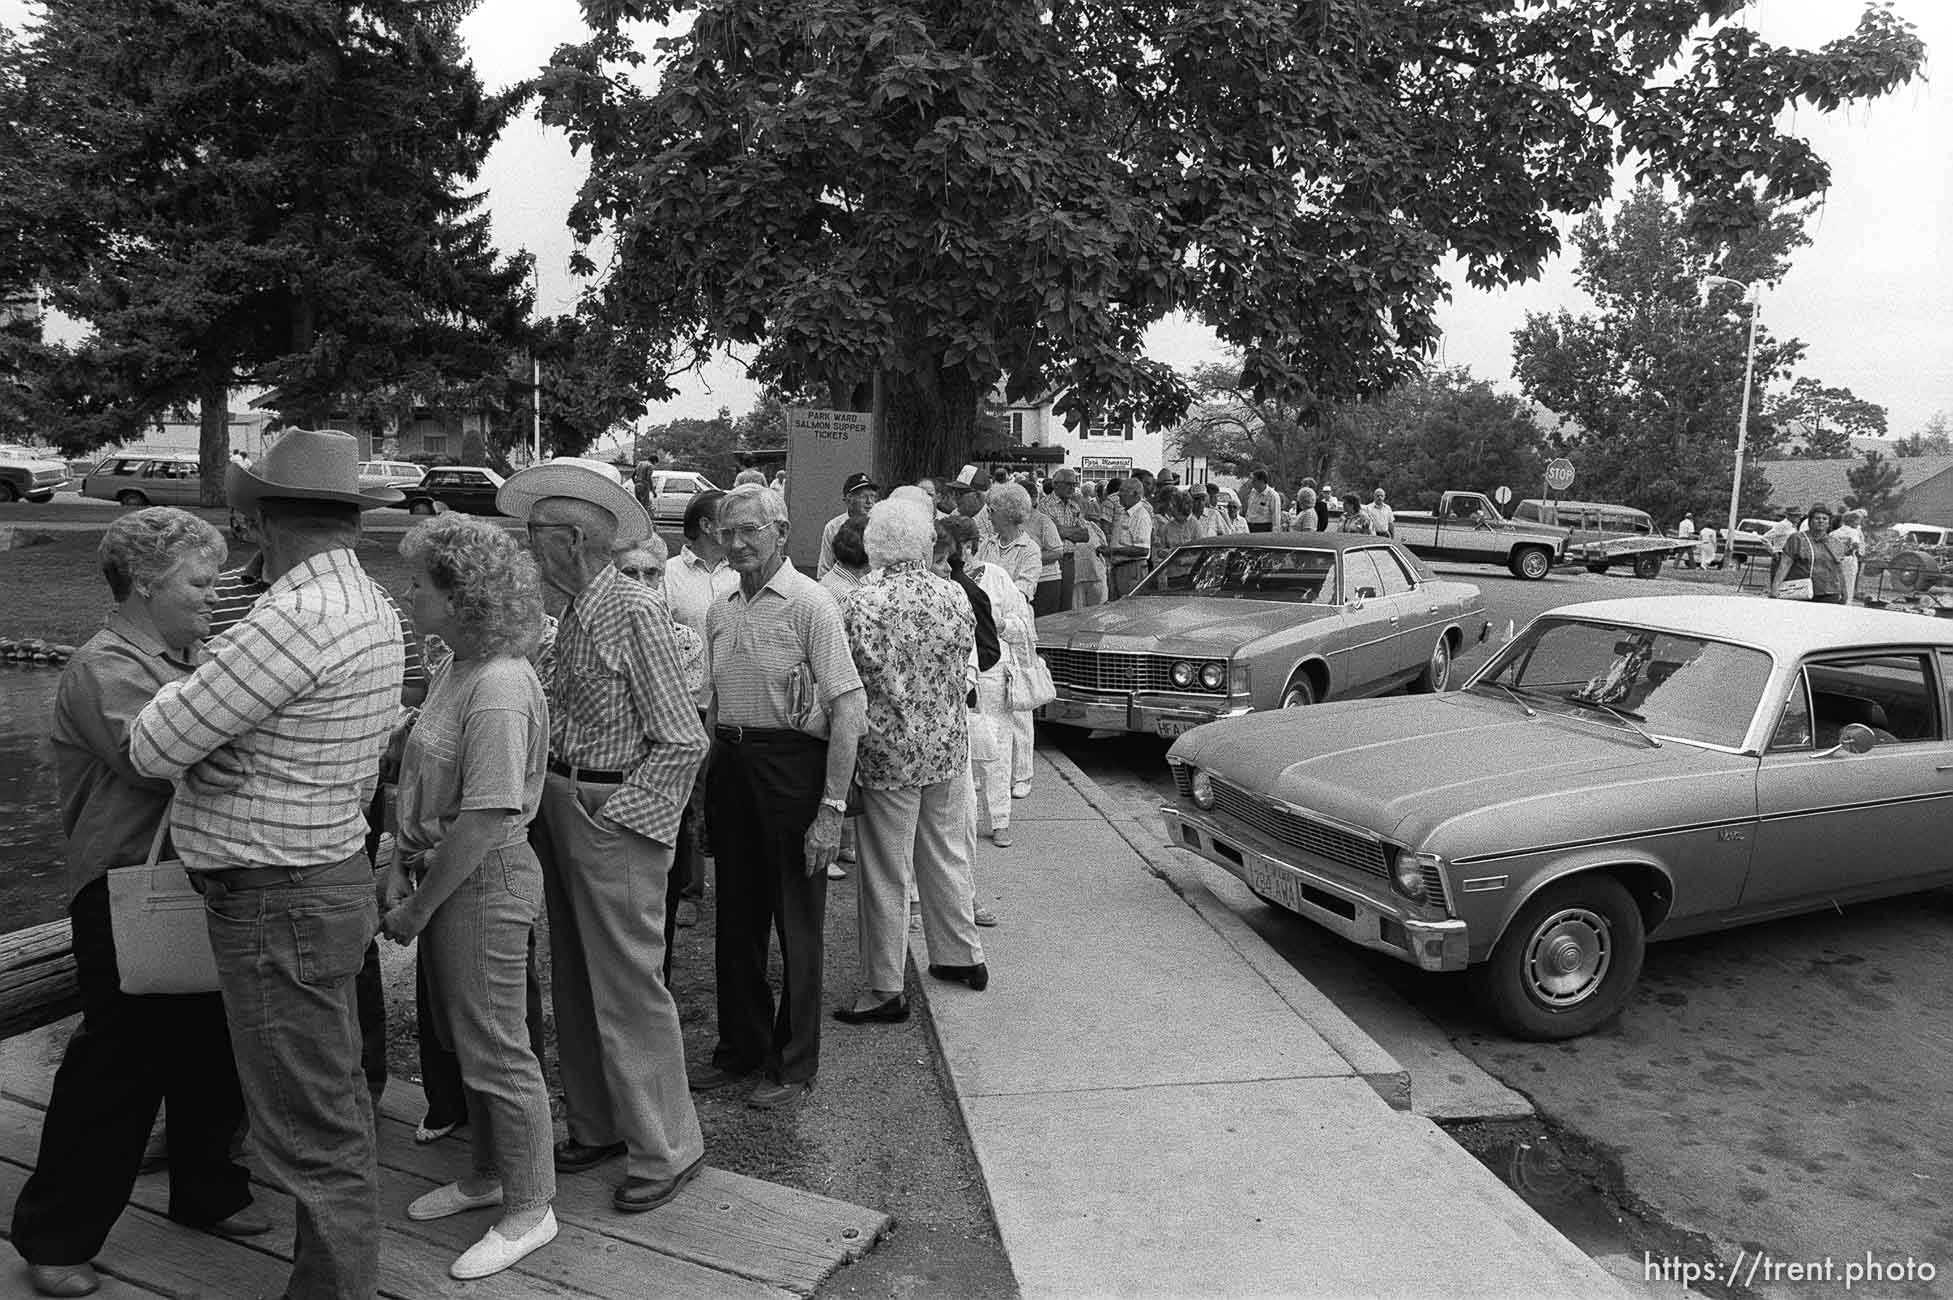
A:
1284,827
1092,670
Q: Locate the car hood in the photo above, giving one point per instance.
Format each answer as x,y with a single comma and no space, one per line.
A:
1190,625
1458,773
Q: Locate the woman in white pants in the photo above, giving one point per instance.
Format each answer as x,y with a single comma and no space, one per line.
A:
1017,631
1015,555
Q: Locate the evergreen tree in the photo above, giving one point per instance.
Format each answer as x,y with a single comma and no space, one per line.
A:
1875,488
257,192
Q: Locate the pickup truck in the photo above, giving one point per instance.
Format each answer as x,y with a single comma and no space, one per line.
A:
29,475
1468,527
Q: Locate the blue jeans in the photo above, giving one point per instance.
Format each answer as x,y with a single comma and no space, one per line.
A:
475,952
287,954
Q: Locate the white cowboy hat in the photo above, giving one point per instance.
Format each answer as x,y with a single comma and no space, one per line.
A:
581,479
305,465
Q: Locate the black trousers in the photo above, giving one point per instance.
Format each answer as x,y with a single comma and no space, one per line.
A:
1261,528
758,806
130,1055
1048,595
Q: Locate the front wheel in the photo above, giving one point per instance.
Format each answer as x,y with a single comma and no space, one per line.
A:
1300,692
1567,962
1647,566
7,492
421,508
1437,669
1532,563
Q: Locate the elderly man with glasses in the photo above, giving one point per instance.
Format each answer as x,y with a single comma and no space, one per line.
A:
624,746
787,712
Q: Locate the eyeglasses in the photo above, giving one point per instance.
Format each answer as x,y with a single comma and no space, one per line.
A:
747,533
535,527
643,575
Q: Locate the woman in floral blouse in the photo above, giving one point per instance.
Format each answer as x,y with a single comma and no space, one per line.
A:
911,634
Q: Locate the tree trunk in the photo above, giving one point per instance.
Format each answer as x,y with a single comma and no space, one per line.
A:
213,438
929,421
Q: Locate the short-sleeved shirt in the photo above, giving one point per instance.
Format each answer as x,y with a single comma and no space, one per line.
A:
1040,528
1261,506
109,811
753,648
911,633
481,744
1018,558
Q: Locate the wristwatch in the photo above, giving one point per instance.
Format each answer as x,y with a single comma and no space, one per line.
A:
838,805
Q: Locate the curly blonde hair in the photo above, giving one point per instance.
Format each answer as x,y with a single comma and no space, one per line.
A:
141,547
493,582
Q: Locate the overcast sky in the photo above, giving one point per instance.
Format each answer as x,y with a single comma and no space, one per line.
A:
1869,297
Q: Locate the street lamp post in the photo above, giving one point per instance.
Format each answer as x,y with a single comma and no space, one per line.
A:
1755,295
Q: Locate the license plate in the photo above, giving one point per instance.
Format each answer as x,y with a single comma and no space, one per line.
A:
1269,883
1171,727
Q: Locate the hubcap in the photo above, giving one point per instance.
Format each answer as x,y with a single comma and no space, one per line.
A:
1440,665
1569,957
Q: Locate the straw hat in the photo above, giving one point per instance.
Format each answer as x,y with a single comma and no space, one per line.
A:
306,465
580,479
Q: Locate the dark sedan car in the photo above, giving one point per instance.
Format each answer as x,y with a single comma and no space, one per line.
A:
469,489
1252,621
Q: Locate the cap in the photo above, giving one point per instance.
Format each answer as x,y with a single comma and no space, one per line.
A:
856,482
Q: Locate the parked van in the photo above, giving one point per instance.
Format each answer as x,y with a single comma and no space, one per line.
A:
1589,520
150,478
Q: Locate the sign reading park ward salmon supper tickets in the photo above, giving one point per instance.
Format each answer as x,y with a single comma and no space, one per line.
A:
823,448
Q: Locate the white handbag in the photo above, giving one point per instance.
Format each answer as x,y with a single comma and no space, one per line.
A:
162,941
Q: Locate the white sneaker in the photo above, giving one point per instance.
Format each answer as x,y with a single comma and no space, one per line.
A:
494,1252
1022,790
450,1199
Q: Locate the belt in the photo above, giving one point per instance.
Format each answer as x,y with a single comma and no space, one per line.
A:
590,774
737,735
259,877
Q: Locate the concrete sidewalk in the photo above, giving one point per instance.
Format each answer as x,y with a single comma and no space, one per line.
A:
1161,1107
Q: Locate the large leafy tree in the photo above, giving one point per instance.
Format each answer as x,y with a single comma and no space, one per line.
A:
1444,430
1831,417
1228,423
1651,380
261,192
940,194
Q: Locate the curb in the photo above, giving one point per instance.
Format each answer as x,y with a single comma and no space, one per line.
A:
1366,1059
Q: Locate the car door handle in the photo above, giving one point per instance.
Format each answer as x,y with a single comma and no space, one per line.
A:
1944,767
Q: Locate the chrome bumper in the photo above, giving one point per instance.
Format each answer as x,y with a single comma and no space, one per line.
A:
1331,904
1162,715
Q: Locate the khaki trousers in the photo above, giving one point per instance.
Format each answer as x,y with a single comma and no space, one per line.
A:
617,1035
924,832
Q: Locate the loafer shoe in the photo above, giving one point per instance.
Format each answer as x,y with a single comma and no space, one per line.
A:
892,1012
977,976
985,917
835,871
1022,790
63,1279
573,1156
636,1195
494,1252
772,1096
450,1199
1001,837
687,914
245,1223
713,1076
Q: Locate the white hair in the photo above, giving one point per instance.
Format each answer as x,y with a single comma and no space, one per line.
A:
1008,502
899,530
773,507
910,492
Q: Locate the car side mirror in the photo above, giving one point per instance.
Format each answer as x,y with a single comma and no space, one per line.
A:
1855,738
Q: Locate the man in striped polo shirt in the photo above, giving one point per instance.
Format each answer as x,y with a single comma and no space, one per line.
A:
274,743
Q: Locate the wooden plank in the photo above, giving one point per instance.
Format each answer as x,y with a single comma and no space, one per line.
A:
37,977
780,1236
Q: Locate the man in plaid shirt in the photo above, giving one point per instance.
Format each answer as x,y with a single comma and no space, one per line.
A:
624,745
274,743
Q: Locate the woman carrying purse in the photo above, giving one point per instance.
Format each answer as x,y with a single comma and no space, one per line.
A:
1808,567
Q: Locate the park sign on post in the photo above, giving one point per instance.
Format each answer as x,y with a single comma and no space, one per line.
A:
823,448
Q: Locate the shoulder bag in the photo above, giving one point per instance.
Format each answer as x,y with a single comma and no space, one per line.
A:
1029,686
162,941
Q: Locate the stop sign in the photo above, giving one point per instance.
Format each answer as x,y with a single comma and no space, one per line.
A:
1559,474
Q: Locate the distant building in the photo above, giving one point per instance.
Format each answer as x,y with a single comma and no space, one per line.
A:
1926,484
1097,449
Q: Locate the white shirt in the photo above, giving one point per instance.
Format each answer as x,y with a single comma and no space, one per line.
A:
1686,529
692,587
1262,506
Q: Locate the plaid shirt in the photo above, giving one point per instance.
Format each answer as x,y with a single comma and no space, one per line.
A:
304,691
618,702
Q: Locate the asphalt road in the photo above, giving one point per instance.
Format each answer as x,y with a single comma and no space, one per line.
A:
1776,1089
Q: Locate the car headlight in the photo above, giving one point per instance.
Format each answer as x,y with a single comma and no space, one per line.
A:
1203,790
1407,875
1182,675
1213,676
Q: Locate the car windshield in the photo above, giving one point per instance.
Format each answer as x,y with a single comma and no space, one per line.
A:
1246,573
1672,685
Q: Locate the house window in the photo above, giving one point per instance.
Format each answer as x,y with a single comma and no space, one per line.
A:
1017,426
434,444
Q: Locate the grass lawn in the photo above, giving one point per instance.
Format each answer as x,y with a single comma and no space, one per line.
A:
56,592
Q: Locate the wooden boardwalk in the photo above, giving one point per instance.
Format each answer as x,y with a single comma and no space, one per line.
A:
725,1235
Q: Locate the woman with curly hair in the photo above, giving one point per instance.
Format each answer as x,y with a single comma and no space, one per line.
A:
465,881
